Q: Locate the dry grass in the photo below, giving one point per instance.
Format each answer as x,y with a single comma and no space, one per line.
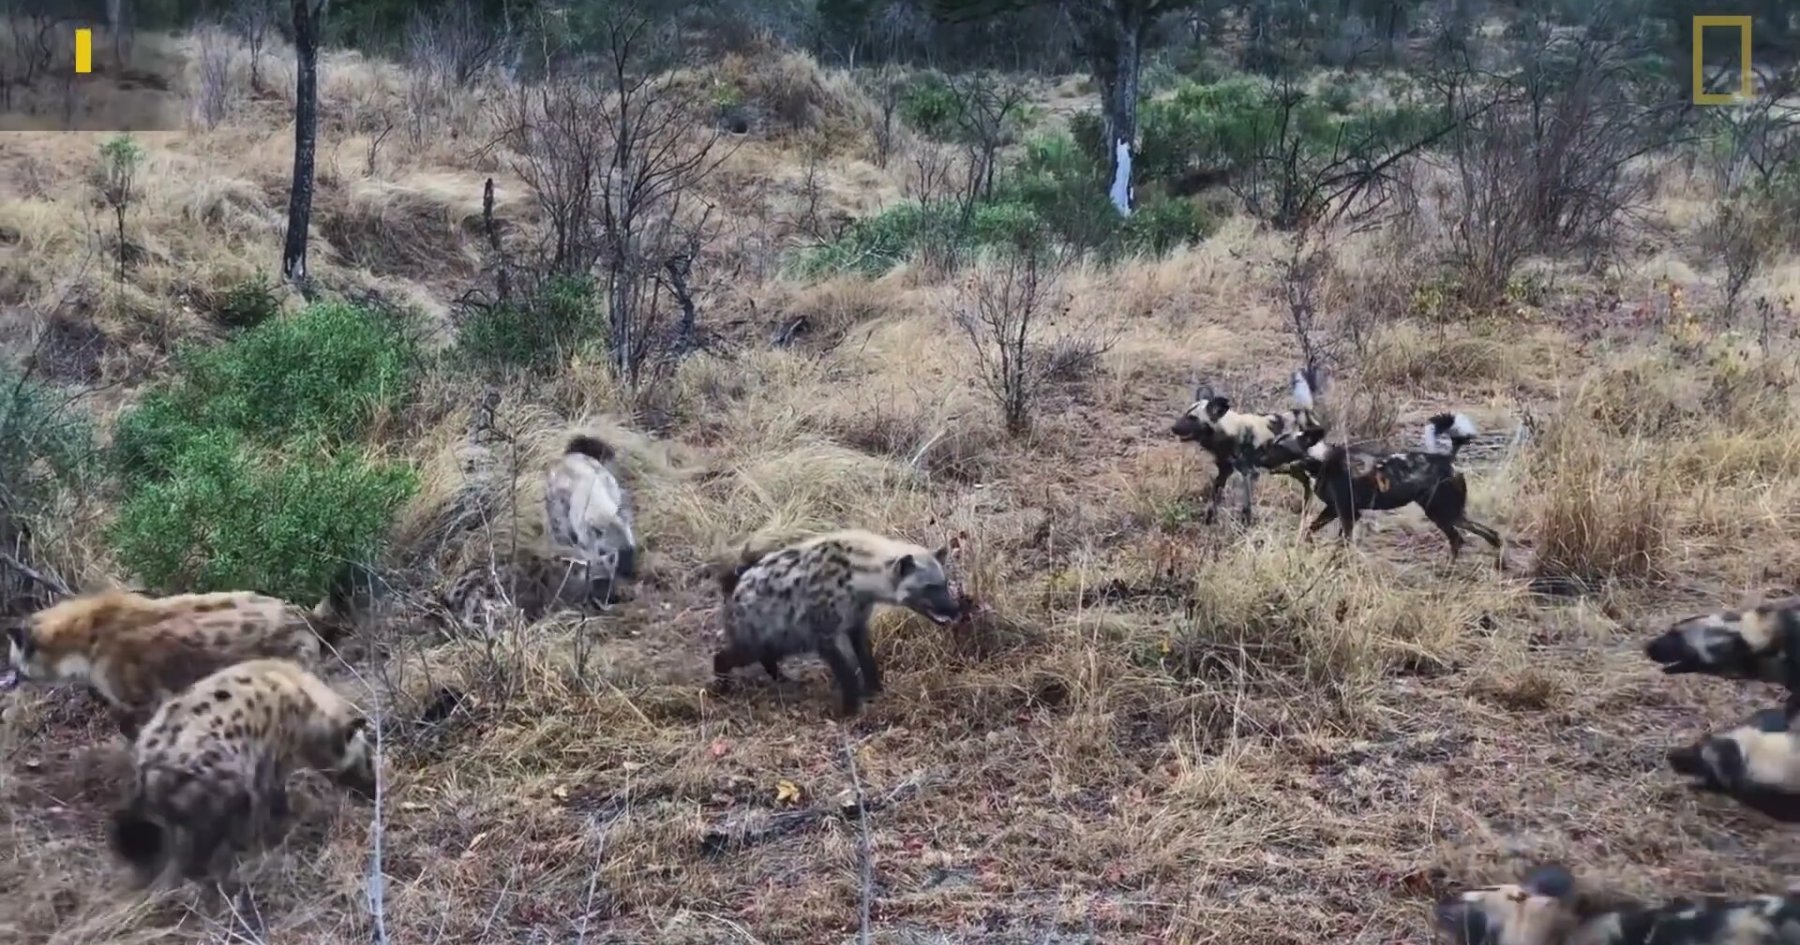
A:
1150,731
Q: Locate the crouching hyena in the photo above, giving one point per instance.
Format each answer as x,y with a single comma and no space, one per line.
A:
817,596
1548,909
134,651
1756,763
1761,644
587,512
211,766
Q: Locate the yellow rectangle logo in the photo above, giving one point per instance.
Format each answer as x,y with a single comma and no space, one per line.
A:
84,51
1745,88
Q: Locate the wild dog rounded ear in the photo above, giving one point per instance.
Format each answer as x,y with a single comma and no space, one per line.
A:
1203,392
1217,407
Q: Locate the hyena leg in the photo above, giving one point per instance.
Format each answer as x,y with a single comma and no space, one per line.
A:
771,663
865,658
831,650
728,659
1218,486
128,721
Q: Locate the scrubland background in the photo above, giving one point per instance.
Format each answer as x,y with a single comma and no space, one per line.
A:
1151,729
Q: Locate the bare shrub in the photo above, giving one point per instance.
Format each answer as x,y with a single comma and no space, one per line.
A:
988,110
212,93
1015,313
610,153
1544,157
250,20
457,40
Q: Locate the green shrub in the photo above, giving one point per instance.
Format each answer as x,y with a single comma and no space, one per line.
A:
930,105
326,371
536,333
231,517
45,443
246,470
873,245
1156,227
249,303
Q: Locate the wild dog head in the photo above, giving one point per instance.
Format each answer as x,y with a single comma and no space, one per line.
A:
1542,910
1757,643
1198,424
1756,763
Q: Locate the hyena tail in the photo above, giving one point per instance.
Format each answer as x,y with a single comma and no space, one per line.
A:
137,839
591,446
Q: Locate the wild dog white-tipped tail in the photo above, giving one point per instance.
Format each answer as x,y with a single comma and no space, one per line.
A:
1303,392
1444,430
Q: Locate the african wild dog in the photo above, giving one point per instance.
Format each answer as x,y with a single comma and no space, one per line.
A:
1760,644
211,765
1548,909
1352,481
1756,763
817,595
586,512
134,651
1236,441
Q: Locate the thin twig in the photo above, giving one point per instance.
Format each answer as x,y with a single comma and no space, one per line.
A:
376,885
862,820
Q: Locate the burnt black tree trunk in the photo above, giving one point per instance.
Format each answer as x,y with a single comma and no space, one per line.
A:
307,14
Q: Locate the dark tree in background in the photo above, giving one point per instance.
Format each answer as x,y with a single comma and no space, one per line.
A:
307,17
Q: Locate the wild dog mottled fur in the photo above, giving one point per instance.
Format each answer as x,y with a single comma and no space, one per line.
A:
1548,909
817,596
211,766
1352,481
1237,441
134,651
1756,763
1760,644
587,511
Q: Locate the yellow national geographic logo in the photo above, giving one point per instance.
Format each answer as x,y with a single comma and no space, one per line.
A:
1745,91
84,51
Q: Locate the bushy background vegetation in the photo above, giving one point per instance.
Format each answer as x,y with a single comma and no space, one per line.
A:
854,263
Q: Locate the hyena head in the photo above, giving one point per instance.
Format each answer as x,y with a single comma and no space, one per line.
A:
921,584
346,753
1197,425
1540,911
46,651
1727,643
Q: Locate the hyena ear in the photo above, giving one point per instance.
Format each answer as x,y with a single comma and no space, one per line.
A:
942,554
15,633
903,566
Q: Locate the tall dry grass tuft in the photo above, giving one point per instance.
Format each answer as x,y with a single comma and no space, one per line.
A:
1601,507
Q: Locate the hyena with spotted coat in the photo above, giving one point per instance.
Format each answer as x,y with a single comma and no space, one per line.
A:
134,651
817,596
1548,909
1760,644
211,766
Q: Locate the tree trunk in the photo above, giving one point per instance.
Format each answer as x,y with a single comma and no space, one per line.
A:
306,132
1122,102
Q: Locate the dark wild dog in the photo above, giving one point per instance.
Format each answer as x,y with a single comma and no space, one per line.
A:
1237,441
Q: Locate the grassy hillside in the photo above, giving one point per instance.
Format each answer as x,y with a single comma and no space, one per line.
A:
1151,730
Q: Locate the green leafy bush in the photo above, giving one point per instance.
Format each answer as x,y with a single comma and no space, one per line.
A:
1159,226
249,303
326,371
45,443
231,517
930,105
247,470
537,333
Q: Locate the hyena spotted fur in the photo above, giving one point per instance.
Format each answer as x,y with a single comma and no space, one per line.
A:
1756,763
817,596
211,766
1759,644
1236,441
1548,909
587,511
134,651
